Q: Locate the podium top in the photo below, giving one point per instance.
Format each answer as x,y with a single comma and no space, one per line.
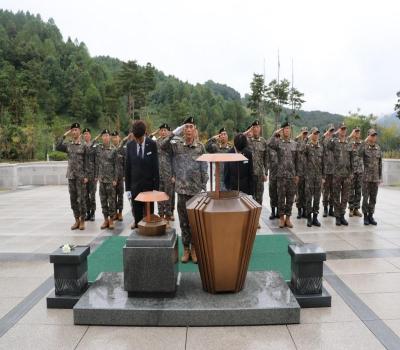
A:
151,196
221,157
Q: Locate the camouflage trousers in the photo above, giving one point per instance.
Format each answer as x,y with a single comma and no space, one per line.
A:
184,219
167,207
369,192
286,193
341,185
119,195
77,196
258,188
107,199
300,195
313,188
327,191
91,188
355,192
273,191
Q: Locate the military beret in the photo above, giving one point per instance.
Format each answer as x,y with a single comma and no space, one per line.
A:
285,124
115,133
105,131
75,125
189,120
372,132
314,130
85,130
256,122
164,126
343,126
304,129
357,128
221,130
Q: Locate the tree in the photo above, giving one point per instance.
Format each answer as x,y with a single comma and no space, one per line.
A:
257,95
295,102
277,97
397,106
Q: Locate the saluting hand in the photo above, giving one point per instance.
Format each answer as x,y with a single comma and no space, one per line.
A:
67,133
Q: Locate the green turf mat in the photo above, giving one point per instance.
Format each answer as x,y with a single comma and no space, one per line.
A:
269,253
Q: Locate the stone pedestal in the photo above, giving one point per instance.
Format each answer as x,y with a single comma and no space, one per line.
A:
151,264
307,272
70,277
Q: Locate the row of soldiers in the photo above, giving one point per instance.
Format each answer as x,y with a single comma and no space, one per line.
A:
334,165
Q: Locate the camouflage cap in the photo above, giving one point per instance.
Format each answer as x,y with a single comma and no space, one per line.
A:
342,126
331,127
304,130
357,128
314,130
75,125
372,132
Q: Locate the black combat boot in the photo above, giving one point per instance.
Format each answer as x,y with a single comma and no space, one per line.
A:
309,220
338,222
325,211
315,221
273,215
331,212
343,220
299,213
366,219
87,217
372,220
92,215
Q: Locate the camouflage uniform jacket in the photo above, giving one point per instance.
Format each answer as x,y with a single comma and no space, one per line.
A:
213,146
357,160
342,157
372,159
300,155
328,157
259,149
190,176
314,160
272,161
91,164
164,161
77,158
286,151
107,169
121,158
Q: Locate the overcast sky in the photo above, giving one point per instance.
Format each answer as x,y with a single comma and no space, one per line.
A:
346,53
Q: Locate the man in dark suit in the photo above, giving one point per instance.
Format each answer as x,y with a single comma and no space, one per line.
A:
141,172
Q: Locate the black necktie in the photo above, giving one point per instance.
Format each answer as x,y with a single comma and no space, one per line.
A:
140,152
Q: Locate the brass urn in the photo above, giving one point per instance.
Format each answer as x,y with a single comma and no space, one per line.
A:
224,226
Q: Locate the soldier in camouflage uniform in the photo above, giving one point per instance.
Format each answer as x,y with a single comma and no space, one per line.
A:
343,172
258,147
77,174
91,186
286,149
191,176
165,209
300,197
327,189
371,154
120,147
219,144
313,153
356,183
107,174
273,180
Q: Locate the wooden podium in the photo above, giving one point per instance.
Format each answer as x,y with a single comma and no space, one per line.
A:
224,226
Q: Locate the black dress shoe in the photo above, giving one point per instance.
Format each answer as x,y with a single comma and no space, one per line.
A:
366,219
299,213
273,215
372,220
331,211
338,222
325,212
343,221
92,215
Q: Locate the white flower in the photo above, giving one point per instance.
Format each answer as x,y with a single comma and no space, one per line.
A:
66,248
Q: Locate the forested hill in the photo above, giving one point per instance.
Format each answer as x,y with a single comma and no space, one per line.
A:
46,83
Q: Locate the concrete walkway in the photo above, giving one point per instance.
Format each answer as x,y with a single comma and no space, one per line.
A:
362,274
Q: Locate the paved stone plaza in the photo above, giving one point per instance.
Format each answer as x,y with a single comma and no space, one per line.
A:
362,273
